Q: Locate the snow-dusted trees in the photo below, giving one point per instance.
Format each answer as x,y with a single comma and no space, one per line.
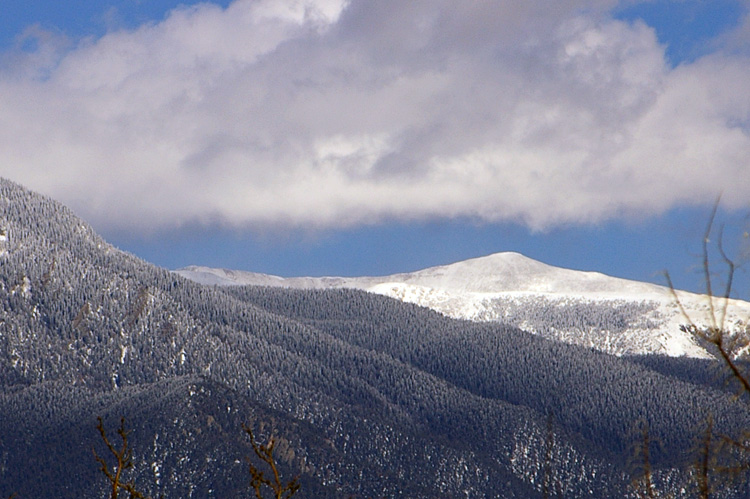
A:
375,397
123,464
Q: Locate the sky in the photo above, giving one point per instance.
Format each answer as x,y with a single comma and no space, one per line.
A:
370,137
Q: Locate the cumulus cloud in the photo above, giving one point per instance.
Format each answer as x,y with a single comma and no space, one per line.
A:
333,113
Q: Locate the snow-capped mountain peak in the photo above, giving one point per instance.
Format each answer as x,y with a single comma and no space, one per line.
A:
512,272
618,316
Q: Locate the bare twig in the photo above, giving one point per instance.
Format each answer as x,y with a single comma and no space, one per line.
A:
643,477
124,461
707,266
718,453
704,464
716,333
730,276
257,477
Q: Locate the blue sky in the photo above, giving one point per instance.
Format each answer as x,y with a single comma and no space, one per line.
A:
332,137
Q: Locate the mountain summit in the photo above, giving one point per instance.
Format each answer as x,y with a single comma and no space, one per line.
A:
512,272
614,315
506,272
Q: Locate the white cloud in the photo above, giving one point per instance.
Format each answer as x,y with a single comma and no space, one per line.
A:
331,113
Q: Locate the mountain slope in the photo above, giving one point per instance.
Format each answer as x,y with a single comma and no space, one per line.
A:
87,330
371,396
613,315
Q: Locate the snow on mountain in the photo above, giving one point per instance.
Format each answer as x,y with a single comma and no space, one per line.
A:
614,315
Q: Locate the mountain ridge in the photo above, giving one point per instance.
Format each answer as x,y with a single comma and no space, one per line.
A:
500,286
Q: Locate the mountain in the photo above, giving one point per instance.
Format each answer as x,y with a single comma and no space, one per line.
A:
368,396
613,315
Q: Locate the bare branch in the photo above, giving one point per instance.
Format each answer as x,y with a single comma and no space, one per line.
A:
731,364
677,300
257,477
730,276
643,476
717,453
707,265
124,461
703,466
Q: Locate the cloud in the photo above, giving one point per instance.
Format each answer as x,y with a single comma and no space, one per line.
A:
327,113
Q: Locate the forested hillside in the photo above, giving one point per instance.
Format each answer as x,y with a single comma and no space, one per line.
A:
590,309
370,397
